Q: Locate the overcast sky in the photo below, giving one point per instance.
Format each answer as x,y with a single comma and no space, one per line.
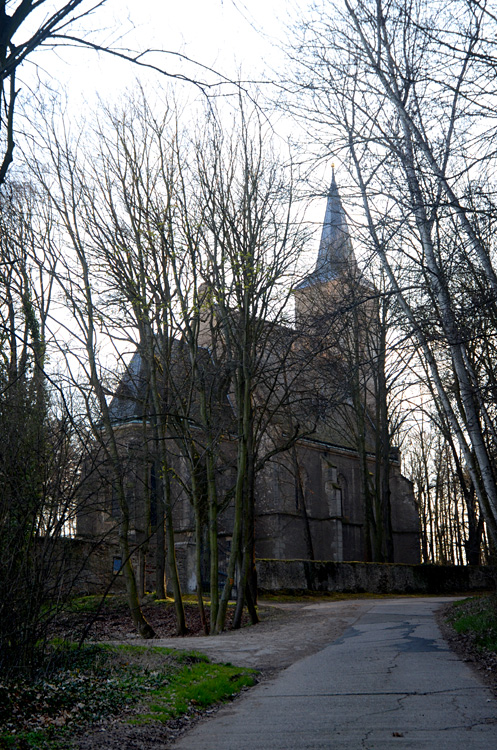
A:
231,36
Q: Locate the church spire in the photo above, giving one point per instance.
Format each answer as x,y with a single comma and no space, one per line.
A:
336,255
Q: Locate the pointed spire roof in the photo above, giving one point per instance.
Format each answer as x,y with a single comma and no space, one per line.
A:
336,255
335,249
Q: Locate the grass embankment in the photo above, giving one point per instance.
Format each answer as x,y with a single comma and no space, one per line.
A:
476,618
84,686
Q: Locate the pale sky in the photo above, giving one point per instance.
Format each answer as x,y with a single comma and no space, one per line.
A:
234,37
231,36
237,38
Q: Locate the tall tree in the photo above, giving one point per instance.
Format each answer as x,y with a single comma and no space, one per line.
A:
28,26
79,280
189,249
406,91
252,247
43,442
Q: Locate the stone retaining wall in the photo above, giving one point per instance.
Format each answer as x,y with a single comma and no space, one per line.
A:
303,576
85,568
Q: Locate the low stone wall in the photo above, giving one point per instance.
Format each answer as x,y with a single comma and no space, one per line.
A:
303,576
81,567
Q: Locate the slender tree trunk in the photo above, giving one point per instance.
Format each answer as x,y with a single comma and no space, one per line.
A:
240,594
160,419
301,505
370,528
384,454
478,465
160,557
212,500
248,585
244,398
198,563
160,550
141,624
250,580
199,529
143,627
171,553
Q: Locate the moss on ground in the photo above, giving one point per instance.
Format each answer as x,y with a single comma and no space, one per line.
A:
84,686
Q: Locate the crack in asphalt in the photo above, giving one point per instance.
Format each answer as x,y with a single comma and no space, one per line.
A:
401,693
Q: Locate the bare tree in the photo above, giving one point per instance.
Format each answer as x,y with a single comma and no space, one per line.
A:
406,95
452,529
17,25
44,444
251,248
77,276
28,26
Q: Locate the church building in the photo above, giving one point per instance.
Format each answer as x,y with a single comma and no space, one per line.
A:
336,492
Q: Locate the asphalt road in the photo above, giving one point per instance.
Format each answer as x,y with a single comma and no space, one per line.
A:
389,681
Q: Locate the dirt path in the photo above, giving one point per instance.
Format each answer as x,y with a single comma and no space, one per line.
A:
287,632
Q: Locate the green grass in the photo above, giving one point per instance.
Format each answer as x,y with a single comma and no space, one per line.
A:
477,618
199,686
139,683
90,604
35,740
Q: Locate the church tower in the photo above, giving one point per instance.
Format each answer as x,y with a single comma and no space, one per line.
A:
336,263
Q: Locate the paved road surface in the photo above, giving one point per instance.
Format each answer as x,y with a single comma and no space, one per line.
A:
389,681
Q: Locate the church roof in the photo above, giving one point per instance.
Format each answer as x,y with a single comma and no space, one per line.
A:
336,255
131,400
127,403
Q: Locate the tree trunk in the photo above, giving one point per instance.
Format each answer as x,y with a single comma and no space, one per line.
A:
160,558
213,536
171,554
198,566
110,446
243,399
143,627
301,505
481,473
199,532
